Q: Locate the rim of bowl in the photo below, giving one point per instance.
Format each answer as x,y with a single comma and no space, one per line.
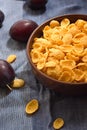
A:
77,16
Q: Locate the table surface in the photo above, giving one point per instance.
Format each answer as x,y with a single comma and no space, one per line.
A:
12,104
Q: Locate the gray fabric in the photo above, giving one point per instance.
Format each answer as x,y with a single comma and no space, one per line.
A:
12,105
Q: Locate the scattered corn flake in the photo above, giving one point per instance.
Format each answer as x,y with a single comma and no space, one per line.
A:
58,123
18,83
11,58
32,106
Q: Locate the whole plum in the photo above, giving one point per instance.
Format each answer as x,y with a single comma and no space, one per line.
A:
7,73
2,16
37,4
22,29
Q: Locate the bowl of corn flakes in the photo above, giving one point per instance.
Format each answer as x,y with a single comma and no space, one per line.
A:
57,53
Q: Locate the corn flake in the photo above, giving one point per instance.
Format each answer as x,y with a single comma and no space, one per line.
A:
54,72
67,38
82,66
67,75
58,123
66,48
54,23
80,23
56,53
18,83
67,63
32,106
36,55
70,56
84,58
11,58
65,22
79,74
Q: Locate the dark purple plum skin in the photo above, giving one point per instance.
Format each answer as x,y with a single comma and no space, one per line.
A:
2,16
22,29
7,73
37,4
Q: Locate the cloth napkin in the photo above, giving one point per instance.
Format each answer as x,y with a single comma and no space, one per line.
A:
12,104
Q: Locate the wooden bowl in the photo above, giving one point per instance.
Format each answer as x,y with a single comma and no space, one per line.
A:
73,89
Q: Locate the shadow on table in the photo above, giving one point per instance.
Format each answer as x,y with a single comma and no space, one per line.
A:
4,91
12,44
72,109
32,11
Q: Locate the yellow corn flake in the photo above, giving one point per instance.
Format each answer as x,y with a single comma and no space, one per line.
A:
41,63
54,72
56,53
72,25
83,41
85,52
65,22
58,123
54,23
17,83
68,63
84,58
55,42
11,58
66,48
43,42
50,64
79,75
69,71
73,29
67,75
79,53
46,28
78,48
56,61
62,31
32,106
70,56
56,39
80,23
82,66
37,45
85,28
67,38
77,37
35,56
47,32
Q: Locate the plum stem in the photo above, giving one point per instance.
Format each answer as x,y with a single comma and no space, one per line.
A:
9,87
